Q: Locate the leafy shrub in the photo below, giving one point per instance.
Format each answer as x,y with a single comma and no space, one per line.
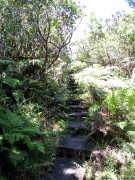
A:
121,99
121,104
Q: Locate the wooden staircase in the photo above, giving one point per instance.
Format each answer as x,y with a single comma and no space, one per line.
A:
74,148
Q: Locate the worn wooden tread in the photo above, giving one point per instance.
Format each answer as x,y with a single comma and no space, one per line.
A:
78,125
75,143
67,170
78,106
78,114
74,102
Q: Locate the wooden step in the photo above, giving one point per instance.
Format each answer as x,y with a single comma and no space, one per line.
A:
75,147
65,169
78,108
76,114
77,125
74,102
75,143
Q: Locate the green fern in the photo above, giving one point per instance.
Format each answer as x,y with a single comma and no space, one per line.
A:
131,98
127,147
14,137
17,155
1,138
120,98
30,131
2,178
7,61
119,140
121,125
14,119
112,101
2,93
28,142
39,145
18,94
131,134
12,82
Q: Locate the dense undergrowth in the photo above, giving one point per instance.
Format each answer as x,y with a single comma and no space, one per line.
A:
111,101
30,128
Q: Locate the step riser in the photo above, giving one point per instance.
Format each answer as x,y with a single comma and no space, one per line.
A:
73,154
79,110
74,103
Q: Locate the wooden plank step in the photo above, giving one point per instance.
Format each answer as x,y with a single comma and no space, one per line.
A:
75,143
76,114
78,108
78,125
67,170
74,102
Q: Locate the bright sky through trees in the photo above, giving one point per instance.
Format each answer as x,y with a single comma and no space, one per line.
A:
102,9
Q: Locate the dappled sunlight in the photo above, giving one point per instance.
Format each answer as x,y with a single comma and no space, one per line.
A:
64,117
101,77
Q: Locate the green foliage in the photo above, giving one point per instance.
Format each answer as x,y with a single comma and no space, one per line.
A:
11,82
6,62
42,34
109,42
120,98
92,110
121,105
27,140
2,178
128,172
76,66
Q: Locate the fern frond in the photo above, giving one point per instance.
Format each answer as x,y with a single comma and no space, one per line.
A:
39,145
16,155
1,138
128,147
30,131
28,142
130,98
14,137
118,139
132,134
121,125
12,82
7,61
14,119
18,94
2,93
